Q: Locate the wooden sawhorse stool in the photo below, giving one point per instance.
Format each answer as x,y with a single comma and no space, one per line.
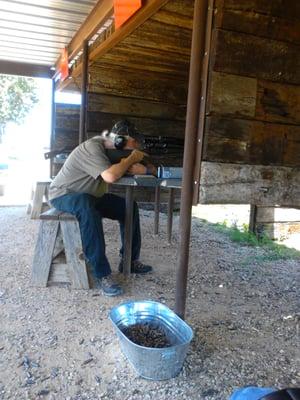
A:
39,193
59,232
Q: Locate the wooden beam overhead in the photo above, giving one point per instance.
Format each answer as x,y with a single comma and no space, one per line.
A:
102,10
149,8
25,69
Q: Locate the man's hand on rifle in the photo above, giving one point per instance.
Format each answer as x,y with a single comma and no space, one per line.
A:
140,169
137,169
136,156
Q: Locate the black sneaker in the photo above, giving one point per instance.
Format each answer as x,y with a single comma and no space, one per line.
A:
108,286
137,267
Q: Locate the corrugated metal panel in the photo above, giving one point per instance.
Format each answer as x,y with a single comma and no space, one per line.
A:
35,31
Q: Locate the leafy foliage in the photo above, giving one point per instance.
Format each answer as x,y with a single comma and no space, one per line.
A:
17,97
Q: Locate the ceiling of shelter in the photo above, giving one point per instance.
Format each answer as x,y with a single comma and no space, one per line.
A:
156,39
35,31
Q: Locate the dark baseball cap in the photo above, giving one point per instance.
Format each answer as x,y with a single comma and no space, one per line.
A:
127,128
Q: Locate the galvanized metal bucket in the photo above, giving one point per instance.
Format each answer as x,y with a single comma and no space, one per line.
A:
148,362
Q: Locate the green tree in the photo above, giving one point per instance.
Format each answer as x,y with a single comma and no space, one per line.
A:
17,97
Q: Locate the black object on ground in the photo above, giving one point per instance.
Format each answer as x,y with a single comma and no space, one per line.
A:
147,335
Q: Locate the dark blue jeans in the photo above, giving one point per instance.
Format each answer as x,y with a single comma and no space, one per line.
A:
89,211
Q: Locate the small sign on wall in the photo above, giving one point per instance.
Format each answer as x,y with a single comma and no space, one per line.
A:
124,9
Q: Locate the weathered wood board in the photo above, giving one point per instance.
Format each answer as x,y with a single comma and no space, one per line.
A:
263,100
278,102
252,112
169,37
244,184
251,142
265,20
133,57
288,9
43,252
231,94
73,249
134,107
160,127
66,132
137,84
59,273
254,56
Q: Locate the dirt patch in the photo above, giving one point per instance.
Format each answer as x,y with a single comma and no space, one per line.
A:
58,343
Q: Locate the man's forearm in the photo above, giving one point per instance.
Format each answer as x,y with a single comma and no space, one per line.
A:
116,171
119,169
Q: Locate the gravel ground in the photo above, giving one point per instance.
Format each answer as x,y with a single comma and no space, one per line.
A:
57,343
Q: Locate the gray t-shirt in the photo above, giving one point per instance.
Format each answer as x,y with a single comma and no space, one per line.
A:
81,172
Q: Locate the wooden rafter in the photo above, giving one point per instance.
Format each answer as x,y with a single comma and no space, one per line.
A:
102,10
148,9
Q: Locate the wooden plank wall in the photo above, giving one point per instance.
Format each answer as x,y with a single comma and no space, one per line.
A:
116,93
66,126
66,132
150,112
144,78
253,100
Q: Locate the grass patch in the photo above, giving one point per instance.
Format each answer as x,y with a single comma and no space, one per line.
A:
273,250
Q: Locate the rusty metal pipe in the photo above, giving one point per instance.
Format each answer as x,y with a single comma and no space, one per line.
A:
52,128
191,130
128,232
156,210
84,83
204,89
170,214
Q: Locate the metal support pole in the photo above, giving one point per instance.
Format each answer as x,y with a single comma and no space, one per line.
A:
128,231
156,210
204,88
170,214
52,132
84,83
191,130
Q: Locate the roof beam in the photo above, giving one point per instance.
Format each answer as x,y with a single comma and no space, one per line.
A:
25,69
148,9
102,10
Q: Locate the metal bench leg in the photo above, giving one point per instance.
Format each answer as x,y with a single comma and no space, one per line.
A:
128,231
170,214
156,209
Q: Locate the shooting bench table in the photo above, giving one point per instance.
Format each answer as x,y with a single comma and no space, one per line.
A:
145,181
